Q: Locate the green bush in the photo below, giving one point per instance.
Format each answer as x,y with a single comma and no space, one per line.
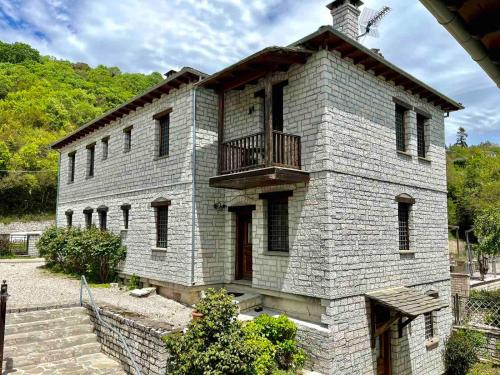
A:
133,282
5,245
217,343
462,350
486,296
281,332
213,344
484,369
90,252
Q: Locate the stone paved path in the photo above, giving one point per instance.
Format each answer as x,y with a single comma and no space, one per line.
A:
55,342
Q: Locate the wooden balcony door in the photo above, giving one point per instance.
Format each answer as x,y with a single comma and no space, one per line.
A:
244,244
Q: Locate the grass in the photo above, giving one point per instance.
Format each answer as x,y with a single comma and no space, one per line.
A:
13,256
28,217
59,273
486,368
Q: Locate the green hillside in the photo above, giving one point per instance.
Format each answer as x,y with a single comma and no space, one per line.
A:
41,100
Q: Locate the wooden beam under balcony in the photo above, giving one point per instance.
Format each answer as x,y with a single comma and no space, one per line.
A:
269,176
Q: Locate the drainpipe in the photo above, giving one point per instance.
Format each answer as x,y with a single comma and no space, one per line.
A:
193,196
58,183
455,27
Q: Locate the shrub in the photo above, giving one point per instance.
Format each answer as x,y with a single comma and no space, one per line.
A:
217,343
5,245
133,282
213,344
281,332
462,351
90,252
484,369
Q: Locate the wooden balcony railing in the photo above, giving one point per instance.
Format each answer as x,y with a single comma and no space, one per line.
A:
248,152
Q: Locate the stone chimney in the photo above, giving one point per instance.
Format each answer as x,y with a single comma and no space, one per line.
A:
345,15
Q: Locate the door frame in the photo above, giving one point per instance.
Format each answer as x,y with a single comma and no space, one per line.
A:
241,213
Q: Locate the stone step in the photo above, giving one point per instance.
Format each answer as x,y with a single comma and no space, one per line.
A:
64,342
41,325
97,363
247,301
34,316
48,356
38,336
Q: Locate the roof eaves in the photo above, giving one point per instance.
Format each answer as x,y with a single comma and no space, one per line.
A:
372,54
173,77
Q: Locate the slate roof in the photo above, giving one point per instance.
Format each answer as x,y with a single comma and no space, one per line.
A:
407,301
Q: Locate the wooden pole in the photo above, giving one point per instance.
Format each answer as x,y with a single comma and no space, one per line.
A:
268,120
220,130
3,311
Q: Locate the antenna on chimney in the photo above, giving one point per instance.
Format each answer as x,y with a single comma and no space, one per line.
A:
369,21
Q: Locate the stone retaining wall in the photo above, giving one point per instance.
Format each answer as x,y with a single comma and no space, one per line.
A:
144,338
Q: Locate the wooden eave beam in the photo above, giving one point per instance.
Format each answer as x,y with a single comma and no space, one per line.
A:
245,78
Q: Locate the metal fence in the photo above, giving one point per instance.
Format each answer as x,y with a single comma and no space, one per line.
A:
477,312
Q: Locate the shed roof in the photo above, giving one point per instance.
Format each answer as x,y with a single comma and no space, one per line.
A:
406,301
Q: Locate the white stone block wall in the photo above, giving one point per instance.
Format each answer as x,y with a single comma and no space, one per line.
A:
137,178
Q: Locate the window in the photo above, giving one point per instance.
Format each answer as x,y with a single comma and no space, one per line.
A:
69,218
400,128
164,133
105,147
88,217
90,160
405,202
421,146
430,320
404,227
126,213
161,214
163,120
127,139
277,220
102,211
71,165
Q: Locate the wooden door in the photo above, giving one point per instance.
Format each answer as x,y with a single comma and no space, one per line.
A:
384,365
244,245
383,342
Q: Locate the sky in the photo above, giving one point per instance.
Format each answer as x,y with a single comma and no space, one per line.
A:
159,35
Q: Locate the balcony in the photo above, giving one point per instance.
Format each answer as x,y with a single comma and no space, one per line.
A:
246,162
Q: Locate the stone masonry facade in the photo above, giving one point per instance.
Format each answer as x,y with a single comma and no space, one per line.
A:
343,223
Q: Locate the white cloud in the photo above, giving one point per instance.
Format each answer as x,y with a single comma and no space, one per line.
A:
153,35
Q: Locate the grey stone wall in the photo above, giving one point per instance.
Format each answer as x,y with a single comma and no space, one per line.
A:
143,338
137,178
460,284
32,241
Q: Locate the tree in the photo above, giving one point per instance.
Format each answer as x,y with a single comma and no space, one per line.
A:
461,137
487,231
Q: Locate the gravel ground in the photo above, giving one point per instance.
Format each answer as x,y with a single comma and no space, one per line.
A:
30,285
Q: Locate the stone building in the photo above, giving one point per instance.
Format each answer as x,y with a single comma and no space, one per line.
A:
311,176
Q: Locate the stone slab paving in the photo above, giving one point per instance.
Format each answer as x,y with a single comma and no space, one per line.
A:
30,285
59,341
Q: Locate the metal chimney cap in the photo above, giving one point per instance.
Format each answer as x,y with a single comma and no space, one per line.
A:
337,3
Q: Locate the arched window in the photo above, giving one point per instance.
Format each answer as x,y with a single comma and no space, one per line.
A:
69,218
102,211
405,202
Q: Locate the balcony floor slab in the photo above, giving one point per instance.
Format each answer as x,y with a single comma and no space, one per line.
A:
268,176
